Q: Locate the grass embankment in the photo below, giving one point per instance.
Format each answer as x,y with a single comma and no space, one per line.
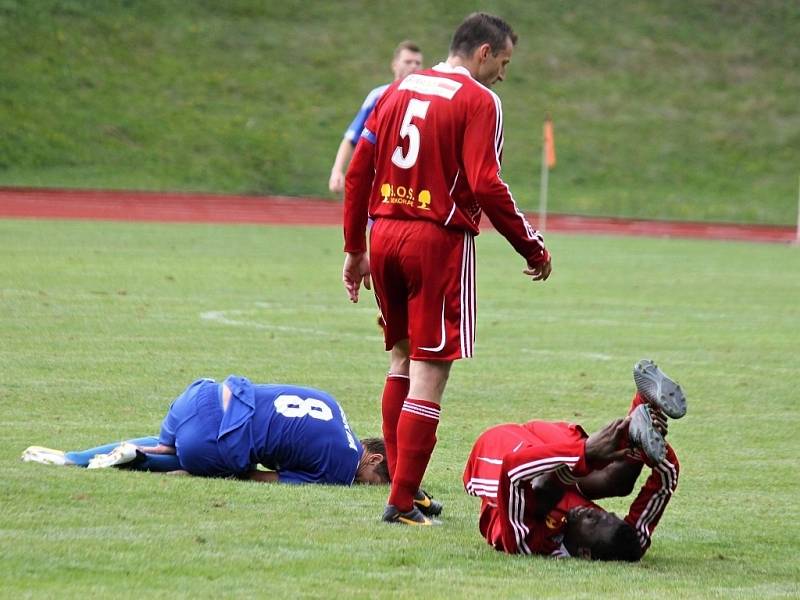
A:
662,109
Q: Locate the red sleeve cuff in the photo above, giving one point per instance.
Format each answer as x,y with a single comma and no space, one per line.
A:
355,249
581,467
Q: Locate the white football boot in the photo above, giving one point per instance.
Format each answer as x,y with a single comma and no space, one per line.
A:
44,456
122,454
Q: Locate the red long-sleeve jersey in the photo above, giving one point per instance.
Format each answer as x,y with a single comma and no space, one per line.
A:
499,470
506,458
431,150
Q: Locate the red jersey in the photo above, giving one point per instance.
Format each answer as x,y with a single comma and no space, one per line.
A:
500,468
431,150
506,458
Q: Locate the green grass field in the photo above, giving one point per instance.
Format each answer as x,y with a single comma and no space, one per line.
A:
662,109
104,323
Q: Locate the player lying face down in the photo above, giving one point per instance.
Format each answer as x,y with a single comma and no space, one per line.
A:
213,429
538,480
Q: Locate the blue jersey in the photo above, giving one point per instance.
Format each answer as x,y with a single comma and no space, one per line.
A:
302,433
353,132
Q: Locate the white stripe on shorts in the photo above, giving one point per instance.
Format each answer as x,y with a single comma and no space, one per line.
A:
467,325
443,339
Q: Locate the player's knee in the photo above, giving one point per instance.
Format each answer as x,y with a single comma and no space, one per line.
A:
399,362
399,366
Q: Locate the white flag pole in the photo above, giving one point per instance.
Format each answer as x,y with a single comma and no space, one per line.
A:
797,237
542,224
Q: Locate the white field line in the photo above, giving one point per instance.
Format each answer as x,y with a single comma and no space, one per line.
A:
589,355
757,314
222,316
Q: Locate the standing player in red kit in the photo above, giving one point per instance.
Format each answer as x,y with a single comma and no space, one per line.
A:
426,168
537,480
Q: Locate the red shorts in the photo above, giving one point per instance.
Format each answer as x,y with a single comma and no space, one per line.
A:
424,281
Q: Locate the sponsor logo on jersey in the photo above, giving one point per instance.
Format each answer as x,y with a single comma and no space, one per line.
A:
552,522
431,86
401,194
424,200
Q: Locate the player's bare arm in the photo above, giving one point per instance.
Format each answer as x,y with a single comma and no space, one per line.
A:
616,479
160,449
263,476
343,155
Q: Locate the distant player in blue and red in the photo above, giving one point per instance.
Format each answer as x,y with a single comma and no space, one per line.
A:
407,58
537,480
213,429
426,169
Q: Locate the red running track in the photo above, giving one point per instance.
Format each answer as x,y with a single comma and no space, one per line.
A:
214,208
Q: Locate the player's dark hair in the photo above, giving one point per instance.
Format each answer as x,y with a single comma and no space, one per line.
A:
623,545
406,45
377,446
481,28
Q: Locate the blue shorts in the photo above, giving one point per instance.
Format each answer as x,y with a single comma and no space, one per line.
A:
192,426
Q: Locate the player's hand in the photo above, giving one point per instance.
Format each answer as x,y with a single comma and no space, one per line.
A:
354,271
549,491
541,271
336,182
604,445
659,420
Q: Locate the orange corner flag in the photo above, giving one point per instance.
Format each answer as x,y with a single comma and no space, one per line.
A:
549,144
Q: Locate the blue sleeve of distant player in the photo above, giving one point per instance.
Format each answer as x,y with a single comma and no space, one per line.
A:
353,132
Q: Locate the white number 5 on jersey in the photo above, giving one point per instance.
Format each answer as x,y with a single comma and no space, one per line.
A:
416,108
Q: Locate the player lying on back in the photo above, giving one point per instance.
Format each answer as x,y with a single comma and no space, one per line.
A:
537,480
212,429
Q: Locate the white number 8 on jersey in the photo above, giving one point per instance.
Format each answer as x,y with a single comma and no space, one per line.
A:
293,406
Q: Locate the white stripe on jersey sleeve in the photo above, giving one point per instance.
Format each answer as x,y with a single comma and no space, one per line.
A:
657,502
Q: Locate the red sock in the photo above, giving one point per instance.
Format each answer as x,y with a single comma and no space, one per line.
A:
416,438
395,391
637,400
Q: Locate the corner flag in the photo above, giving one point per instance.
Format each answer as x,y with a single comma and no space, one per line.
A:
549,143
548,162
